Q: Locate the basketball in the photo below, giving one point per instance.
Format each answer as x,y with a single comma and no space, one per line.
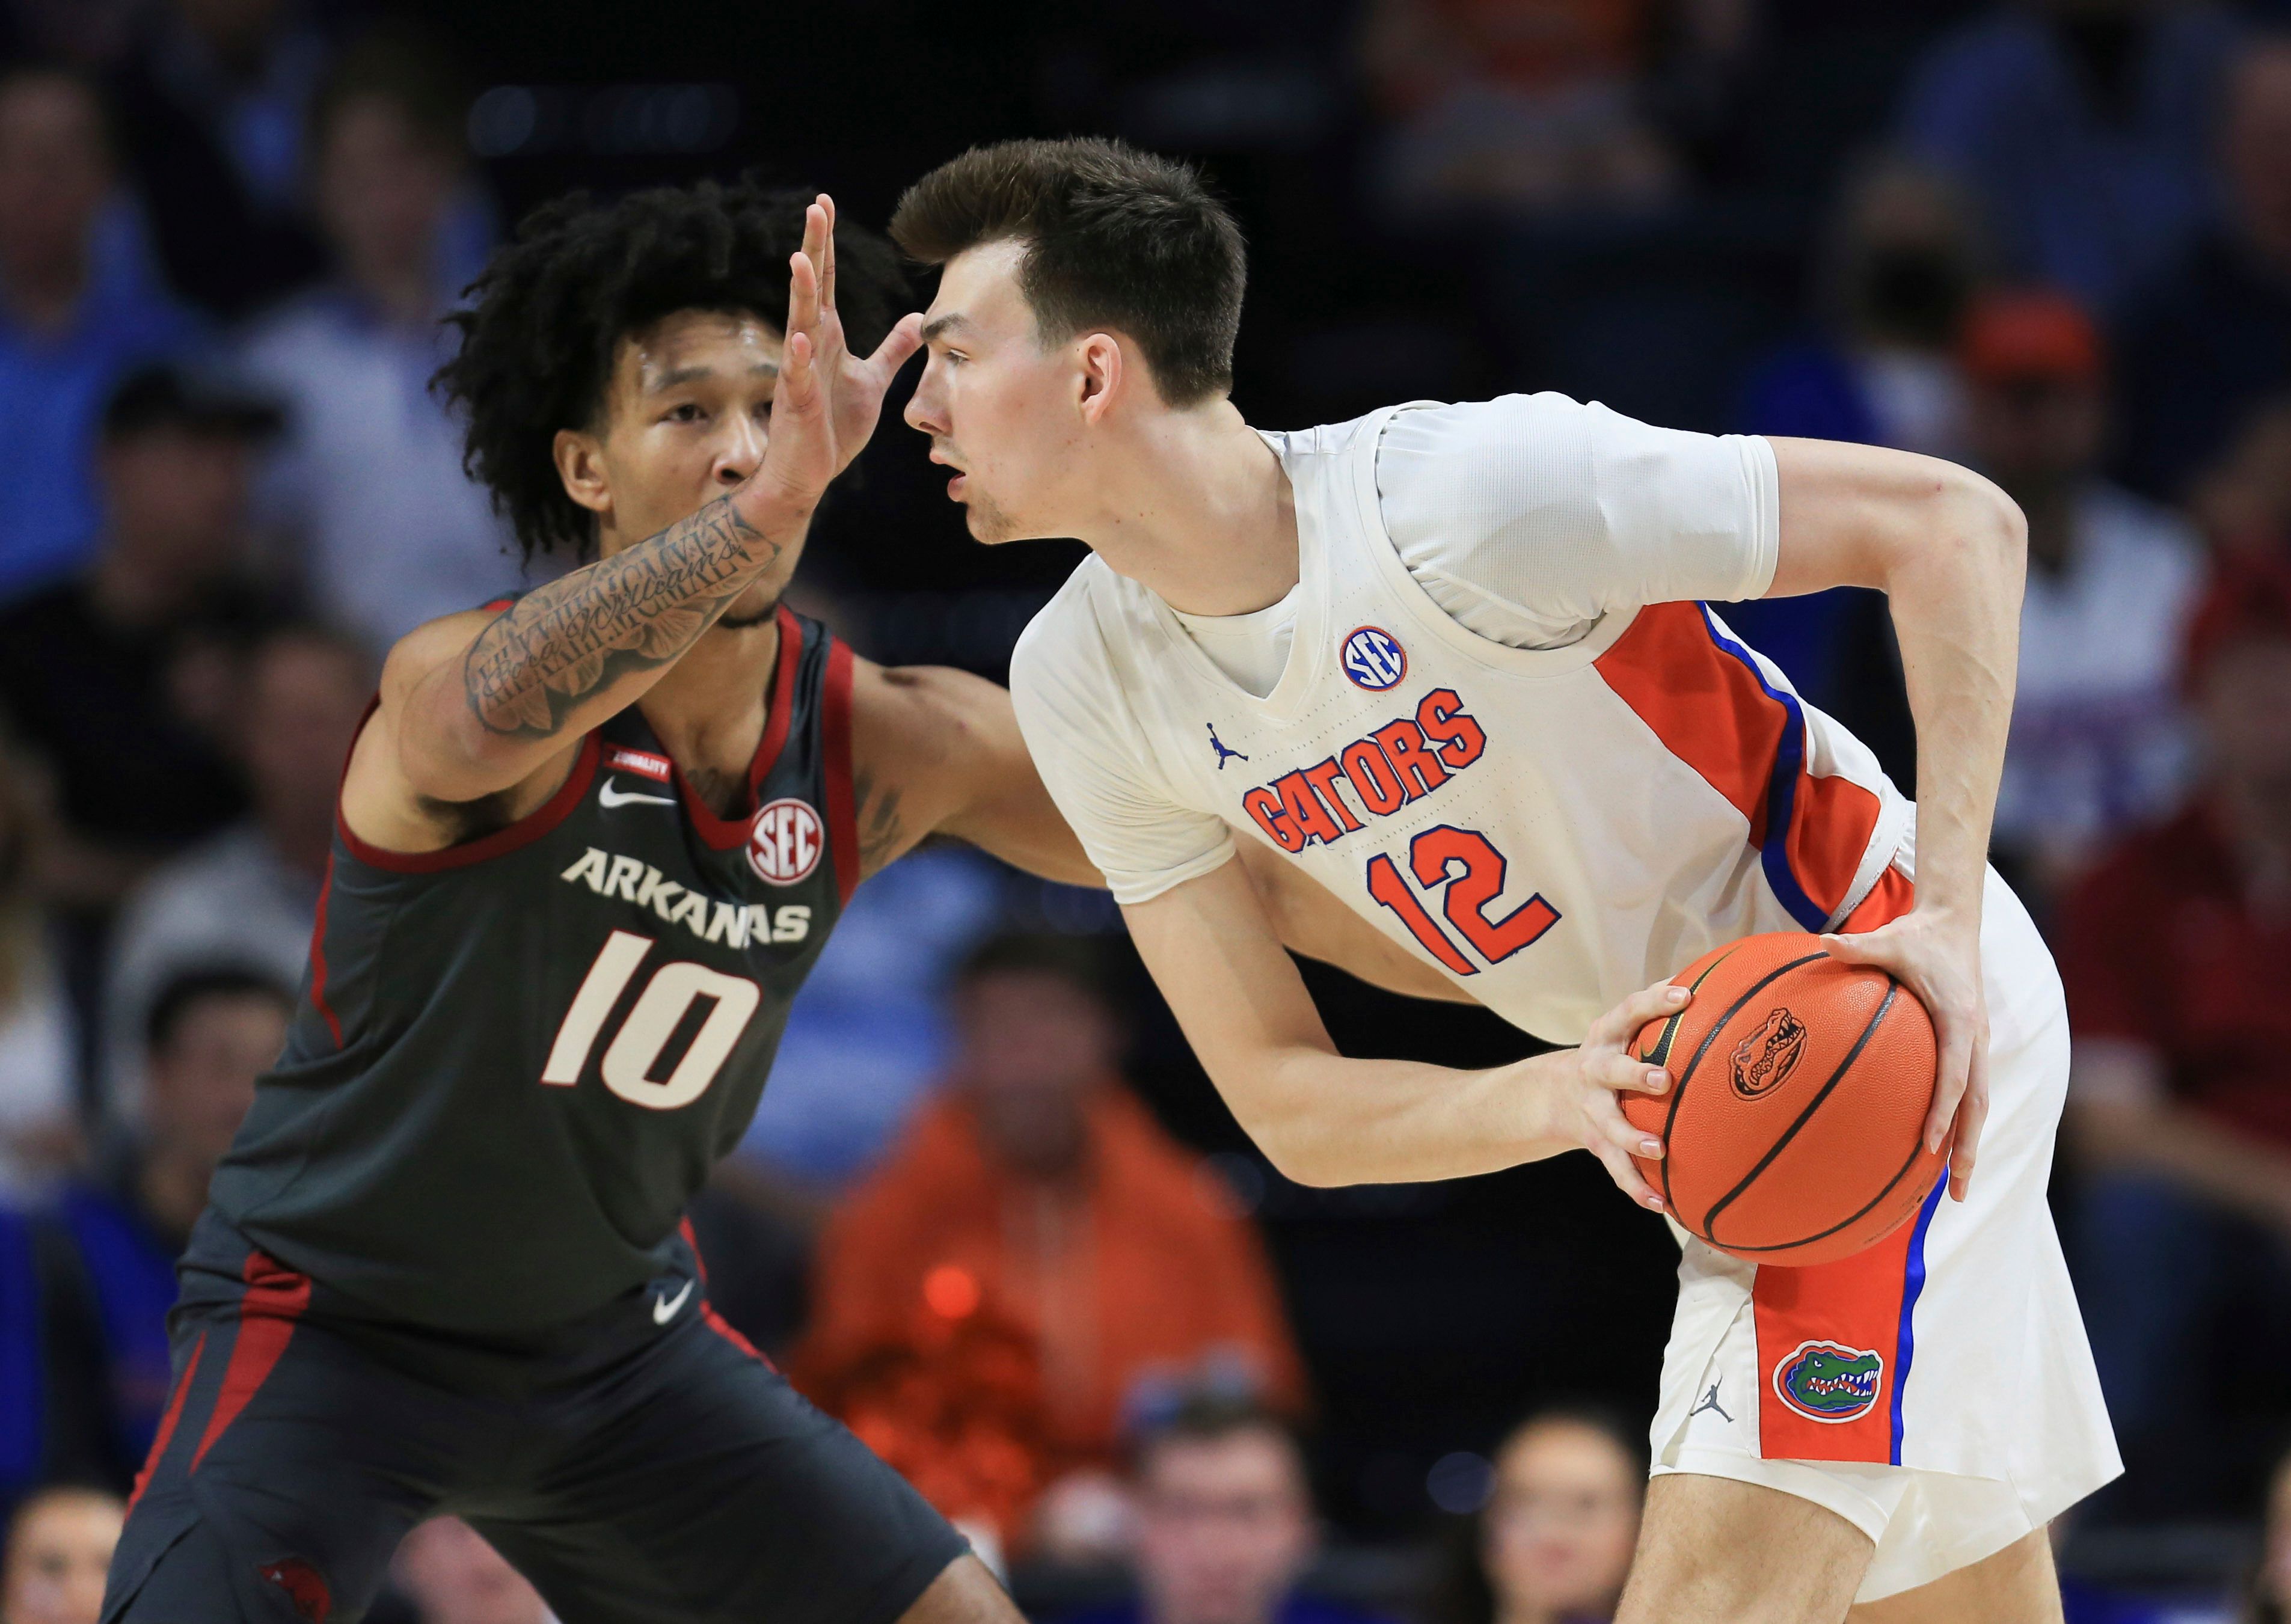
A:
1799,1088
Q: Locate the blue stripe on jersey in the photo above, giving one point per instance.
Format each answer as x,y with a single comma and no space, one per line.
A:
1913,1285
1781,787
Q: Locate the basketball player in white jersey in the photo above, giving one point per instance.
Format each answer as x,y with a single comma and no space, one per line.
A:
1453,663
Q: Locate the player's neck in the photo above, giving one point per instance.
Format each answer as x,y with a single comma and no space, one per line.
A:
708,709
1199,510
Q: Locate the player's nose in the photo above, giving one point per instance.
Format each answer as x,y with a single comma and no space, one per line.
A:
922,410
741,451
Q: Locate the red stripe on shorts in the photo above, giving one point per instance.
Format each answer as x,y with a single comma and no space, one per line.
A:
174,1413
1834,1312
275,1299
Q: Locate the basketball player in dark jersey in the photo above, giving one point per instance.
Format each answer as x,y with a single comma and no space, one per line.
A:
589,841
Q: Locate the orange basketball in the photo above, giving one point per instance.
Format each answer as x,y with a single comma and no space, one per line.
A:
1799,1088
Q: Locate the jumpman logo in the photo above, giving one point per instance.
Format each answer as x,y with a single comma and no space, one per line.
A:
1709,1402
1224,754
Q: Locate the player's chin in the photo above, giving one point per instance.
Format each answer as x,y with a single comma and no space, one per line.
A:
988,524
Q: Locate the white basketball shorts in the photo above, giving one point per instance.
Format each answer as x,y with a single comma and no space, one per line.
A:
1936,1391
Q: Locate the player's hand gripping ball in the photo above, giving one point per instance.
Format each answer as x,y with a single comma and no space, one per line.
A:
1800,1090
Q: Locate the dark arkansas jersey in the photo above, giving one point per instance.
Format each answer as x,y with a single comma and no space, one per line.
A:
514,1060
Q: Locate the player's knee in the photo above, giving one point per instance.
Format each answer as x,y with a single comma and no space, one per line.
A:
1711,1549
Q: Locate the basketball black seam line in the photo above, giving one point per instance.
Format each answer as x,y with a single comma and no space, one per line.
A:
1678,1093
1782,1141
1892,1184
1661,1054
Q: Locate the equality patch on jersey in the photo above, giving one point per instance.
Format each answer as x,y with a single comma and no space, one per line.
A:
644,763
1374,658
786,842
1828,1381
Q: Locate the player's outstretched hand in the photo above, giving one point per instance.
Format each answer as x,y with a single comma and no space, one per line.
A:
1938,957
1589,1077
828,400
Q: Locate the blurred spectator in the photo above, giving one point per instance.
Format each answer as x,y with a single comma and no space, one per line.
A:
449,1573
2083,127
1554,1543
121,678
212,1033
2242,502
1513,108
211,105
1224,1522
2270,1587
72,322
2098,741
1900,267
37,1110
2211,338
370,472
58,1553
1040,1199
2175,952
247,894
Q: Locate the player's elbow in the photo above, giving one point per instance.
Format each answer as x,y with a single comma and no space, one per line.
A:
1968,523
442,751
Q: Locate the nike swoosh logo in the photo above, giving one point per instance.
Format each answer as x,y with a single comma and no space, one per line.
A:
663,1309
612,795
1661,1054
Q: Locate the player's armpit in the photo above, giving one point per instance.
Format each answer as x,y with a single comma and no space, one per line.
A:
1311,921
936,751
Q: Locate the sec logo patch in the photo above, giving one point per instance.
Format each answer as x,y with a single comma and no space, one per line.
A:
786,842
1374,659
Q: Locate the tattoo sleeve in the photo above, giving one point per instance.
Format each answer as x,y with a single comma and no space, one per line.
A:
561,644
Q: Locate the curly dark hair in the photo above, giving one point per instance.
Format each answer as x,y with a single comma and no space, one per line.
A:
541,326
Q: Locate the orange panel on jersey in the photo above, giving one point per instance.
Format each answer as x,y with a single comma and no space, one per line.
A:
1707,703
1706,710
1829,831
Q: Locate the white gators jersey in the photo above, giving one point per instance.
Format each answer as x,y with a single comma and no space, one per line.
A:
1552,828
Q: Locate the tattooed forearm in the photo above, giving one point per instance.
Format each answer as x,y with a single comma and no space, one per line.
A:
562,643
883,837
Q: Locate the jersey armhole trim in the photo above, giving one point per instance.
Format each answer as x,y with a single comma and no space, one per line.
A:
318,955
527,830
835,725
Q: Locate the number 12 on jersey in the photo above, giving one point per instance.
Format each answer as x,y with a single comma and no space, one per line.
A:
1470,873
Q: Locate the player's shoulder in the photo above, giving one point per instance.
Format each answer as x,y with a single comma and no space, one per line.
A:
1083,626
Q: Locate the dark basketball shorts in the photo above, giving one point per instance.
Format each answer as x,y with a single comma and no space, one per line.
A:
647,1464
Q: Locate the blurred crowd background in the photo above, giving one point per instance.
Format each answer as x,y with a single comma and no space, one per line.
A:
991,1212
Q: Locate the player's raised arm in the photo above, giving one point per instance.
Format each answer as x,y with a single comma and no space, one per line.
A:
1950,552
473,704
1323,1118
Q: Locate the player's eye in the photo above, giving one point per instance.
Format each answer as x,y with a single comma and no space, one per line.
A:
686,412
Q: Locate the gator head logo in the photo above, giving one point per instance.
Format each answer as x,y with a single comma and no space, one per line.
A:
1828,1381
1768,1054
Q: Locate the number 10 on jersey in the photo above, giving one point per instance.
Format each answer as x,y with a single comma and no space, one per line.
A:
1469,873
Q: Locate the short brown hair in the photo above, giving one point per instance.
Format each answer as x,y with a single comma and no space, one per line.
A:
1113,235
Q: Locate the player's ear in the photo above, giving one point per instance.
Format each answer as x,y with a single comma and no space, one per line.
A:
1100,377
581,465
